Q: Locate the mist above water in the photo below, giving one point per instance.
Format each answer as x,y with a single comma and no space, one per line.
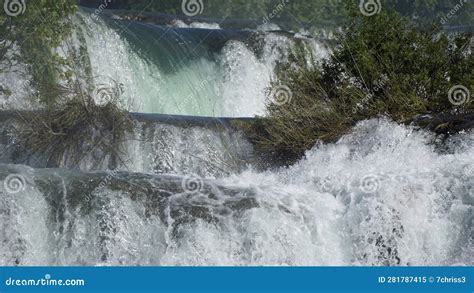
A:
384,195
190,194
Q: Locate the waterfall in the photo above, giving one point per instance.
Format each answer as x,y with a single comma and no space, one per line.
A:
158,144
190,189
185,70
384,195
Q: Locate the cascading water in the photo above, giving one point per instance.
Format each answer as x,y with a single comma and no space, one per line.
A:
188,71
383,195
158,144
190,190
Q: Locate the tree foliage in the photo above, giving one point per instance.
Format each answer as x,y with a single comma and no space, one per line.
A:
70,122
382,66
31,37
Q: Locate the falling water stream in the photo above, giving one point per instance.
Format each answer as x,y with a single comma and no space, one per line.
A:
194,194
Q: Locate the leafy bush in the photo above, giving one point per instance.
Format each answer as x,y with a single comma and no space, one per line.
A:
382,66
70,121
77,127
31,37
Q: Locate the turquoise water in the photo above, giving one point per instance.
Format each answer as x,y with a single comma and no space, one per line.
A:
202,71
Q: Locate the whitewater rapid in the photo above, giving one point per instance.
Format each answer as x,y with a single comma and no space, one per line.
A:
192,193
189,70
385,194
198,69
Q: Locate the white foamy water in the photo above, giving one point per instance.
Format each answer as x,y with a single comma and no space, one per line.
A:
169,70
201,151
204,25
15,81
229,83
383,195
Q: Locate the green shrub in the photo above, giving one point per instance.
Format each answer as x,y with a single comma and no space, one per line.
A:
382,66
77,127
70,122
35,33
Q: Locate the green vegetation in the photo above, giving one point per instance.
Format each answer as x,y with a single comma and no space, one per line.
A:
77,128
382,66
36,32
426,12
70,121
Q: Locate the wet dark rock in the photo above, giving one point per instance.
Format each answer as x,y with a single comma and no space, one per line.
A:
445,123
